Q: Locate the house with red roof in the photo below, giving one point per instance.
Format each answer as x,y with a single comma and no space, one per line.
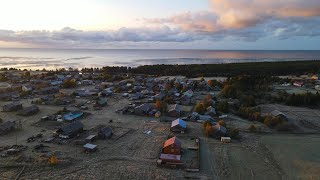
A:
172,146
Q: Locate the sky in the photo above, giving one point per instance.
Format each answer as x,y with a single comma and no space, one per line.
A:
163,24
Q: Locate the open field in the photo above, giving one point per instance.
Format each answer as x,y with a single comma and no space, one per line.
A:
298,156
131,154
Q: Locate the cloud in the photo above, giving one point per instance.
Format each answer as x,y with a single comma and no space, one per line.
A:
68,36
240,20
249,20
246,13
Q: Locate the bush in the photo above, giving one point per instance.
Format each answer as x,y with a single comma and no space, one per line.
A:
252,128
200,108
234,133
223,106
69,83
222,123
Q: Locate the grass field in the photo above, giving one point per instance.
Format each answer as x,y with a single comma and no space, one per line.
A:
297,155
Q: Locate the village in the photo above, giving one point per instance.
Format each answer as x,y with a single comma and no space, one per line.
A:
93,125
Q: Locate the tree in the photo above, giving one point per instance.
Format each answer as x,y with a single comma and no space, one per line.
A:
234,133
207,101
71,83
222,123
211,83
209,130
223,106
206,123
160,105
267,121
200,108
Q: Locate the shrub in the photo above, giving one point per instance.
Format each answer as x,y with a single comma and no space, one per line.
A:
200,108
252,128
71,83
222,123
234,133
223,106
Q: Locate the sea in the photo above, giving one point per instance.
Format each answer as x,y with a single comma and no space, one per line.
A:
80,58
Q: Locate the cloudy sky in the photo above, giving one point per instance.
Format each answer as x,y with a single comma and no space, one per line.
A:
181,24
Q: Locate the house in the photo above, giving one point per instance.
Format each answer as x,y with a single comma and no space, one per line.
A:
101,102
87,82
56,83
106,92
105,133
27,88
298,83
137,96
82,92
48,90
142,109
188,93
185,100
175,111
71,116
211,111
198,117
172,146
279,115
28,111
160,96
178,125
90,147
70,130
9,95
12,107
7,127
219,131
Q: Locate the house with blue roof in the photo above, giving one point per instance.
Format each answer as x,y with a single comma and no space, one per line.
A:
178,125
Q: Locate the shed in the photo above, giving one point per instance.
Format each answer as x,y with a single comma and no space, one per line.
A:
28,111
142,109
211,111
7,127
91,138
170,158
172,146
105,133
225,139
12,107
90,147
279,114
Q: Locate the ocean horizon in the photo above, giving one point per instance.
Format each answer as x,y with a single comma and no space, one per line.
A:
79,58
